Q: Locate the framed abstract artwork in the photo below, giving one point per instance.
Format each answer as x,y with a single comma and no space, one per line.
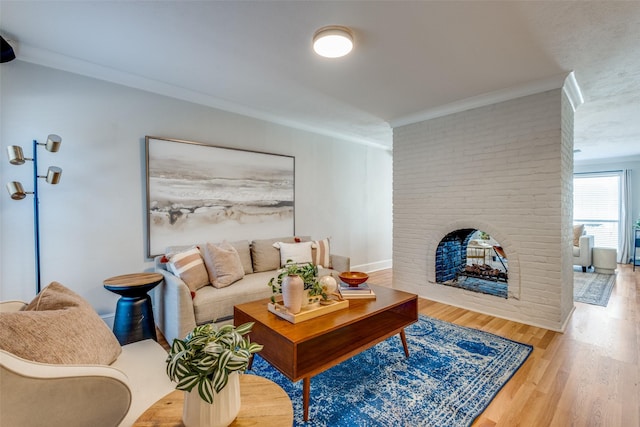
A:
199,193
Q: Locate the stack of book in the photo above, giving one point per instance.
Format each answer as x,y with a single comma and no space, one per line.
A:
362,291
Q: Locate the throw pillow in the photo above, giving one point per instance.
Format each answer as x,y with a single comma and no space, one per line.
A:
189,266
58,327
223,264
242,246
578,230
265,257
298,253
321,254
244,251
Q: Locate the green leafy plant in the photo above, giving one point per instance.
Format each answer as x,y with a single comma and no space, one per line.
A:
637,225
308,273
206,357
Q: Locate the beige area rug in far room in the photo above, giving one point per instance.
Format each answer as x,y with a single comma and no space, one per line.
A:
592,288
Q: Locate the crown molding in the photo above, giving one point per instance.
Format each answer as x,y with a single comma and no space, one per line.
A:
57,61
490,98
572,90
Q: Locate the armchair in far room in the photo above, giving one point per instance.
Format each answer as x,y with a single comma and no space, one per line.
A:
582,247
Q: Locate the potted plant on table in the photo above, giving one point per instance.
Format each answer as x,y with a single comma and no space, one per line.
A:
296,282
206,365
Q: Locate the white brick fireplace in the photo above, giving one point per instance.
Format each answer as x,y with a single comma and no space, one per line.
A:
505,169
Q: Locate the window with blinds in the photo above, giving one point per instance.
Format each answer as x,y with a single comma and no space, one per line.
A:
596,204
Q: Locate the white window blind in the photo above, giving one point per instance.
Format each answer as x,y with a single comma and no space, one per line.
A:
596,204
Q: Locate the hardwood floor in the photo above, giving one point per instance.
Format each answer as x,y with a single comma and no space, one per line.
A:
588,376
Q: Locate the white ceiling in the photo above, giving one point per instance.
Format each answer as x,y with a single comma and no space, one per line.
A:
410,57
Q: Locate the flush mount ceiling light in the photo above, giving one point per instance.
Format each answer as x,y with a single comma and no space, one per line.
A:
333,41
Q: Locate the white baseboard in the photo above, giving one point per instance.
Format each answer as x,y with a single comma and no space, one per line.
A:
373,266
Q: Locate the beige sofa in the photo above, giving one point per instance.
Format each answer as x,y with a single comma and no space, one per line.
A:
68,392
178,309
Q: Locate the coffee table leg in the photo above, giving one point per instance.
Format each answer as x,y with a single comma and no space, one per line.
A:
403,337
306,386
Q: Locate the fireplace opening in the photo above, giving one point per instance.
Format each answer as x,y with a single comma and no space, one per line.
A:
471,259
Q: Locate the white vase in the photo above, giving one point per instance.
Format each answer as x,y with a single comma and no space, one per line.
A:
292,292
220,413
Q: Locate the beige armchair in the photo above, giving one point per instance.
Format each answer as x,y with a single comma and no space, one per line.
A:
38,394
56,395
583,253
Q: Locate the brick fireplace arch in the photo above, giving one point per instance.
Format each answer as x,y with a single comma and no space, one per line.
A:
467,228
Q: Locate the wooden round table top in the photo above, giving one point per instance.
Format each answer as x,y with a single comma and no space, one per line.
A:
263,403
134,279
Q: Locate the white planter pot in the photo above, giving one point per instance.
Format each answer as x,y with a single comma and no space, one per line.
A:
292,293
220,413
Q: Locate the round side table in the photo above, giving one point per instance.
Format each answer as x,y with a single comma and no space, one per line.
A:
134,313
262,403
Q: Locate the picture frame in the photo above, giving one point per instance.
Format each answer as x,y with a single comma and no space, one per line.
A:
198,193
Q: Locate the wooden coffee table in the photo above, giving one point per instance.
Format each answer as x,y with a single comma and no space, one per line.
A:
308,348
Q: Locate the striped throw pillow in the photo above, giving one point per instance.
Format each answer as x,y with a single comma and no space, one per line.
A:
320,253
189,266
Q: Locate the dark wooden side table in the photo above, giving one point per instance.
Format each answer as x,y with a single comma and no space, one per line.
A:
134,313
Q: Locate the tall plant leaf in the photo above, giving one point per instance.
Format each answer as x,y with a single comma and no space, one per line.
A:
205,390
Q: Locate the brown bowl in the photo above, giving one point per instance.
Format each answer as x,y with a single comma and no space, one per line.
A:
353,278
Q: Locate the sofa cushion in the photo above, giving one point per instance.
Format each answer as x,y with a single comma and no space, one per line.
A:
321,254
189,266
223,264
211,304
265,256
578,230
59,327
297,253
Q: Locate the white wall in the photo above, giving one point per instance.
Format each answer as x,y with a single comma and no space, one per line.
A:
504,169
93,223
619,164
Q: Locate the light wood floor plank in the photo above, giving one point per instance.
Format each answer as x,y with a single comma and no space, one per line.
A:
587,376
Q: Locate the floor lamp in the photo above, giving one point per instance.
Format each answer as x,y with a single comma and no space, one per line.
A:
16,157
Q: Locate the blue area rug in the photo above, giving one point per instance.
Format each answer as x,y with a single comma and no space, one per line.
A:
592,288
451,376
